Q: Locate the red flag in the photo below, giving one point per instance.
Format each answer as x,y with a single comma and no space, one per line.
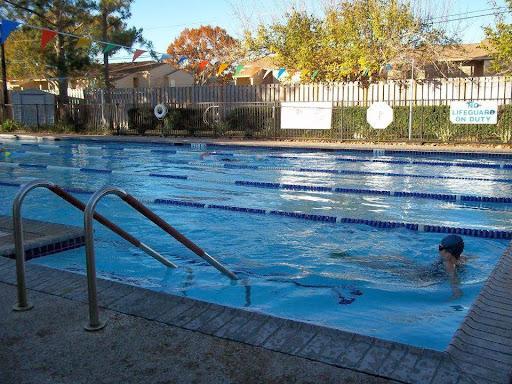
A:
46,37
203,64
138,52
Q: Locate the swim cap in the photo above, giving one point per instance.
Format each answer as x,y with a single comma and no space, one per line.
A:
453,244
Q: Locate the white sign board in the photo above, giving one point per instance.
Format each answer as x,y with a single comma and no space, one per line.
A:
306,115
474,112
379,115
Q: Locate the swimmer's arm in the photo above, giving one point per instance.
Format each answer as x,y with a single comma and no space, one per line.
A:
454,283
450,269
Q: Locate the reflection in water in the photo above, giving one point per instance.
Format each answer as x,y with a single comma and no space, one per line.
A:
247,287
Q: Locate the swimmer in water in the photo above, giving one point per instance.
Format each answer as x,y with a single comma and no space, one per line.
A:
204,155
450,250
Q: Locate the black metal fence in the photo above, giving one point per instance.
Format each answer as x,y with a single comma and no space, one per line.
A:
258,120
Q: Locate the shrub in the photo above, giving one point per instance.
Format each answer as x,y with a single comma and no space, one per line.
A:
141,119
12,125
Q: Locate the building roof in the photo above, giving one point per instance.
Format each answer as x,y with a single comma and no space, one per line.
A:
262,63
466,52
119,70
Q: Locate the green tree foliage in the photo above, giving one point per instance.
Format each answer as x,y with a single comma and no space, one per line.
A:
205,43
297,43
499,42
59,59
355,39
103,20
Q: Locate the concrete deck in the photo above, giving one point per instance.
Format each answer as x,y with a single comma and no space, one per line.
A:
41,238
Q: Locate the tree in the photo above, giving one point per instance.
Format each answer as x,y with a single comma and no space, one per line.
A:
103,20
355,39
110,26
205,43
59,59
499,42
295,44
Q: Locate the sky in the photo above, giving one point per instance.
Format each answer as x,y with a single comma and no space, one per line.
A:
163,20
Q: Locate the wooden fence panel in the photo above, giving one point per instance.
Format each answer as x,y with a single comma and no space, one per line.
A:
430,92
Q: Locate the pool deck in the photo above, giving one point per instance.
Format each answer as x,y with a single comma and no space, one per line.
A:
157,337
41,238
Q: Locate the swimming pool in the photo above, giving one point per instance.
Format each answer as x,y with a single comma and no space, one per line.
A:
313,235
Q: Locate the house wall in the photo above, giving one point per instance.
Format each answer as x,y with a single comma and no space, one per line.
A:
163,76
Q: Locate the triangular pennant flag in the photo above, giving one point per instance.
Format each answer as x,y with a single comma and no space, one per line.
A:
388,67
202,64
109,47
82,42
266,73
314,74
6,29
254,70
222,67
304,72
137,53
281,71
46,37
365,72
165,57
238,69
181,60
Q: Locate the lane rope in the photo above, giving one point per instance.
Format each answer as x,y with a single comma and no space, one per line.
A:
483,233
282,186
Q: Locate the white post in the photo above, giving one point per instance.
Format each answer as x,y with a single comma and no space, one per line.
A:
410,101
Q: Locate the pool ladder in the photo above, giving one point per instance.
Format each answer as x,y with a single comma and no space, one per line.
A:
89,215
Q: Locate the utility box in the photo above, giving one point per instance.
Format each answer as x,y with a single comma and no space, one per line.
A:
33,107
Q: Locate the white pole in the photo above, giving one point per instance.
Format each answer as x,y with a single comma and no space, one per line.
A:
410,101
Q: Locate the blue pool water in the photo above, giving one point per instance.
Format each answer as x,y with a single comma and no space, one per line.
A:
376,281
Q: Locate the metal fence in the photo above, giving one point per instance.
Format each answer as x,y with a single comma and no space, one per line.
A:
260,120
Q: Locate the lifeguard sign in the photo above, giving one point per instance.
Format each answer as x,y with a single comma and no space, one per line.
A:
474,112
379,115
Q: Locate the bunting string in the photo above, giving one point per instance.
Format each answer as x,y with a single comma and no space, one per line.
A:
7,26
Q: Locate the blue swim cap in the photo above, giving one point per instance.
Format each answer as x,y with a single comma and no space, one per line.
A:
453,244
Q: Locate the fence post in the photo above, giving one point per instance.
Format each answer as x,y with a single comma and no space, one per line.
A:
410,101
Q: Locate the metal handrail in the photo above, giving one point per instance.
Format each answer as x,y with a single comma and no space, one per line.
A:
23,304
94,321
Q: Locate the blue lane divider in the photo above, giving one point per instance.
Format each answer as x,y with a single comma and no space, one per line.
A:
180,177
22,165
315,170
485,233
295,187
94,170
406,162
